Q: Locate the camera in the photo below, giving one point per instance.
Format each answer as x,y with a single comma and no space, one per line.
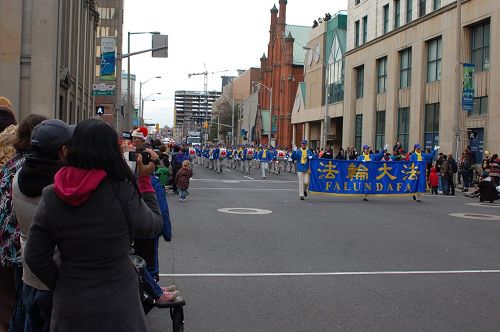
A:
132,156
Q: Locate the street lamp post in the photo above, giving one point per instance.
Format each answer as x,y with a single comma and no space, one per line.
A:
270,110
232,118
129,94
325,115
142,104
141,113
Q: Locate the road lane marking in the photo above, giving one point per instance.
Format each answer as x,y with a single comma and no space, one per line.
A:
246,189
267,181
321,274
248,177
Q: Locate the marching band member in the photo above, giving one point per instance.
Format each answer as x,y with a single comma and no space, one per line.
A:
264,157
302,156
418,155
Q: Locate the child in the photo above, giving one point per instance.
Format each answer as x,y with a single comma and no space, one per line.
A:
182,179
434,181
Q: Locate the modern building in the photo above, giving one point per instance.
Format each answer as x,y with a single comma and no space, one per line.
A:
108,45
404,74
192,109
47,58
242,90
132,118
281,72
320,98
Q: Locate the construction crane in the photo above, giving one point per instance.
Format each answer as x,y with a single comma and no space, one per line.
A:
205,76
205,87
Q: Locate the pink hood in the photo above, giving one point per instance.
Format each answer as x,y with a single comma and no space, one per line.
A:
75,185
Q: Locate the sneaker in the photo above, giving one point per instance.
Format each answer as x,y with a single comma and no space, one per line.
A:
414,197
305,193
301,198
167,297
169,289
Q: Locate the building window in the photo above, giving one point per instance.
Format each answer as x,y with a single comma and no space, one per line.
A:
431,127
386,18
365,29
405,68
480,107
379,130
358,132
409,10
356,36
403,126
356,2
336,73
436,4
397,13
481,46
434,51
360,82
381,75
421,7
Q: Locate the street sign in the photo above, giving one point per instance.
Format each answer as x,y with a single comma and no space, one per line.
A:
103,93
103,87
99,110
160,41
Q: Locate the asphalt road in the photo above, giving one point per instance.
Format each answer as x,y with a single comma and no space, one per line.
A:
326,263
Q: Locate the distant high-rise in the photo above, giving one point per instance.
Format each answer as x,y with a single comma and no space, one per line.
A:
192,108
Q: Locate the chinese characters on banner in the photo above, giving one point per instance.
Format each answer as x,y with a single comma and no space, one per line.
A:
349,177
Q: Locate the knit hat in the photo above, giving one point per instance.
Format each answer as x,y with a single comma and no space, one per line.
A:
51,134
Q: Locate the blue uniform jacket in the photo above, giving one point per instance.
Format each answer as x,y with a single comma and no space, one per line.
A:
297,155
425,156
216,153
373,156
264,159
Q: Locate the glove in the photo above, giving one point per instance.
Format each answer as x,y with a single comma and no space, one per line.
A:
294,148
310,157
436,147
386,147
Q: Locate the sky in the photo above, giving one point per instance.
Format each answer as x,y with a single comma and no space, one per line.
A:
219,34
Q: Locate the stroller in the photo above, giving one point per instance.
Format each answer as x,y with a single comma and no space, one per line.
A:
148,303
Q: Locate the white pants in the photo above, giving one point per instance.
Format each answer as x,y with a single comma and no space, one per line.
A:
219,168
263,166
303,182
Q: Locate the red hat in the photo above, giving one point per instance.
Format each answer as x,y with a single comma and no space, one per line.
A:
144,131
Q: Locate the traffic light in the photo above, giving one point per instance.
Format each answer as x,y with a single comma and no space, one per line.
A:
205,124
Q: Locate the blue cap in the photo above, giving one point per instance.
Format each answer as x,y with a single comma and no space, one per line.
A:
366,147
303,141
416,146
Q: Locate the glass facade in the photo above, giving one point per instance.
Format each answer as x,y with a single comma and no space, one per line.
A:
480,46
434,53
382,75
405,68
336,73
431,126
379,130
358,132
360,81
403,127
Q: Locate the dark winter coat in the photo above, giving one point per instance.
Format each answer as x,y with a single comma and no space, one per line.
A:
487,191
182,178
96,287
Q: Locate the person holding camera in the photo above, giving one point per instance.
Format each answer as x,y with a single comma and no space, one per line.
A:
92,211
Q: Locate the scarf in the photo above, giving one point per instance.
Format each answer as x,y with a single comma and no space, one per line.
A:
366,157
303,158
419,155
264,153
